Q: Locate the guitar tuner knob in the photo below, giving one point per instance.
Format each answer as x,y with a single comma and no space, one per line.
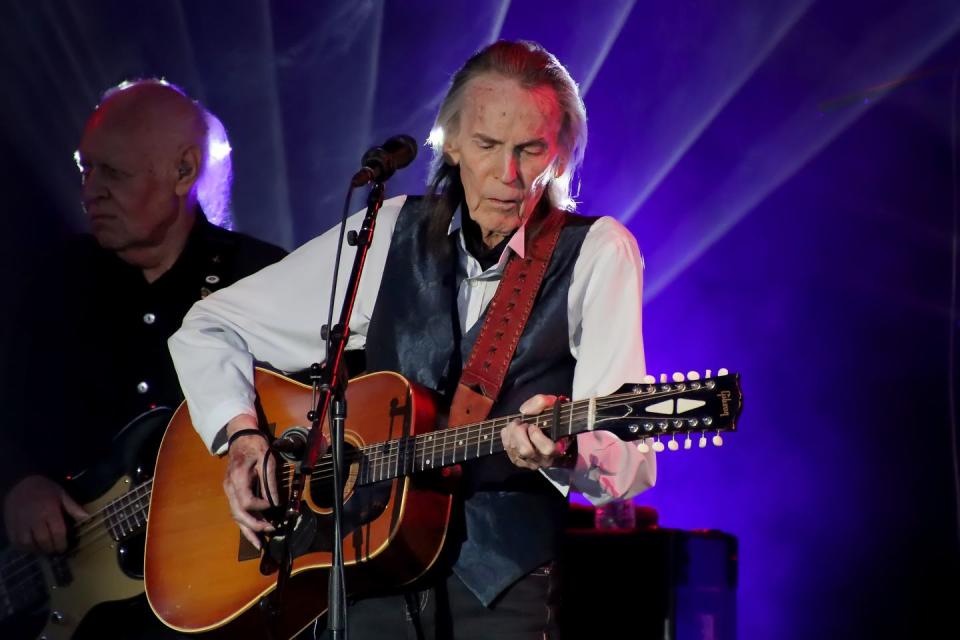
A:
717,440
706,374
688,443
702,442
722,371
648,379
643,447
693,375
663,377
673,445
678,377
658,446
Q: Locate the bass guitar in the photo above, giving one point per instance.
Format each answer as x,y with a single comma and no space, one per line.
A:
45,596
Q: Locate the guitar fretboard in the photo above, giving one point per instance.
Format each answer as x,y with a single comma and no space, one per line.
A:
445,447
127,514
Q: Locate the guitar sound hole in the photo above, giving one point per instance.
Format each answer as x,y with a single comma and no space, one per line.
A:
321,483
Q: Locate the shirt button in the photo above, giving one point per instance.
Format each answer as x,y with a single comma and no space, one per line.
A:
149,318
142,387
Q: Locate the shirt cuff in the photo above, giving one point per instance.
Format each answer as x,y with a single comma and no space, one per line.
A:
213,429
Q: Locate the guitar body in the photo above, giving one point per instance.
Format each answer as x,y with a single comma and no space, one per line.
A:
202,575
200,572
98,567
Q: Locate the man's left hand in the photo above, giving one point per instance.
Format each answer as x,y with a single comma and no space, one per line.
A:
525,444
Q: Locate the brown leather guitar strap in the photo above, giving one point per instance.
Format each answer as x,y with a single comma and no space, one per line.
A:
506,318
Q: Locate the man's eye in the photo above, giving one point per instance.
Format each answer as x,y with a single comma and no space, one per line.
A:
533,151
484,144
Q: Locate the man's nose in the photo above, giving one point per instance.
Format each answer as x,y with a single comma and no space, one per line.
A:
510,168
91,187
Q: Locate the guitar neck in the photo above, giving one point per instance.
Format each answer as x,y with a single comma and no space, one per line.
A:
650,410
647,411
127,515
442,448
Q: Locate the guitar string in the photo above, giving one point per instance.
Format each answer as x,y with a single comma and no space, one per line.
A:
571,412
375,456
91,525
377,459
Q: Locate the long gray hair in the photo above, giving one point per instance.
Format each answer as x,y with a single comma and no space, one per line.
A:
532,66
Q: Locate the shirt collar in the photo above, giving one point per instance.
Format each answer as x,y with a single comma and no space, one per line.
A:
517,242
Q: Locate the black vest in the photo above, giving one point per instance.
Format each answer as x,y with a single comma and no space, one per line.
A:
512,518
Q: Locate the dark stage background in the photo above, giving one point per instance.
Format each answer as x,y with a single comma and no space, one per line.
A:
788,167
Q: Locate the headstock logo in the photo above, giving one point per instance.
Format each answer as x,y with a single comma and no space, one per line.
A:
725,397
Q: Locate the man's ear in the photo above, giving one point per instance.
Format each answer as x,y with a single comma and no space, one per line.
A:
451,152
188,170
560,166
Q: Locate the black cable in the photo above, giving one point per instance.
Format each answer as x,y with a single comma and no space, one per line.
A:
336,267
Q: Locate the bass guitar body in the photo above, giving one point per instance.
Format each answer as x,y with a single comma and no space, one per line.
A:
47,596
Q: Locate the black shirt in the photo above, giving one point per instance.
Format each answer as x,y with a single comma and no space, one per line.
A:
92,350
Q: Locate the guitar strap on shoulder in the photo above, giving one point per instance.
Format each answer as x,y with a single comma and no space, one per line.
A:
506,317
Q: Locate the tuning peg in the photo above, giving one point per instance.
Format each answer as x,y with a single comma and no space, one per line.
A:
643,447
706,374
702,442
648,379
673,445
693,375
657,446
663,377
717,440
688,442
678,377
722,371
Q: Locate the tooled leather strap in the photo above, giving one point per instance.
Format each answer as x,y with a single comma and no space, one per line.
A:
507,315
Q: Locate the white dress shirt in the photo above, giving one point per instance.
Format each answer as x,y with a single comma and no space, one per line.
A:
274,316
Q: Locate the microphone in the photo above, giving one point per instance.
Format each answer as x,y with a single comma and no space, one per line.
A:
292,444
379,163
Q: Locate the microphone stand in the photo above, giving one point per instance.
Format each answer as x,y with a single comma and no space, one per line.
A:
330,385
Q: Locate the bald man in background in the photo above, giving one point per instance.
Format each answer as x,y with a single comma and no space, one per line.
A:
92,347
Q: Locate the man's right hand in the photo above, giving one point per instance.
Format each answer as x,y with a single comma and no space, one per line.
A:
244,465
33,513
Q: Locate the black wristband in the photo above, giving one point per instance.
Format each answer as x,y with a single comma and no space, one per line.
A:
245,432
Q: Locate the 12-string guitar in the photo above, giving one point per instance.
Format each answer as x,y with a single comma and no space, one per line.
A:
201,574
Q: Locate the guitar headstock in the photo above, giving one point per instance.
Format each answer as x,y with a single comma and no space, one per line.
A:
657,411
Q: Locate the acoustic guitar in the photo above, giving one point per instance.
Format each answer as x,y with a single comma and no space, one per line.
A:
202,576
